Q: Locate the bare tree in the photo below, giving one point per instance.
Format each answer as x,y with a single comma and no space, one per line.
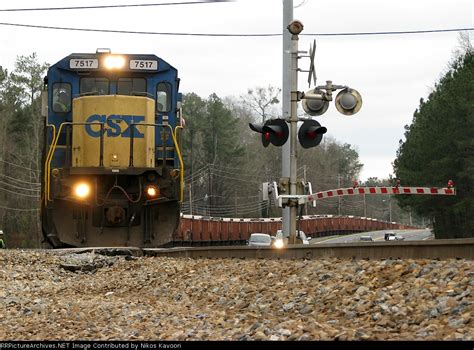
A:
260,100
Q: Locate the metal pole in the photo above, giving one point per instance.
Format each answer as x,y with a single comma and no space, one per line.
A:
365,207
190,199
304,176
339,199
286,91
210,191
390,207
293,135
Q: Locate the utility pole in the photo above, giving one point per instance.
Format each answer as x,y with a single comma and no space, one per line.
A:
190,199
210,191
365,207
315,102
295,28
304,177
192,175
390,207
286,91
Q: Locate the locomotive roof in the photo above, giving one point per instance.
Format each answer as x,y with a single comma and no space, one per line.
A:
64,63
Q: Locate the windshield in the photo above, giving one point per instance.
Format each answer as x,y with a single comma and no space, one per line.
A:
260,239
299,234
94,86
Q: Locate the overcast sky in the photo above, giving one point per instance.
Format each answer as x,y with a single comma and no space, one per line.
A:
392,72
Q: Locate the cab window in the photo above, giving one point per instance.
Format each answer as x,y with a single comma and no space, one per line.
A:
94,86
61,98
163,97
131,86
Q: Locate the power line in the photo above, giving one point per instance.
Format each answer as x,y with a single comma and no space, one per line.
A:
18,209
393,32
35,184
18,166
19,194
112,6
22,188
136,32
237,34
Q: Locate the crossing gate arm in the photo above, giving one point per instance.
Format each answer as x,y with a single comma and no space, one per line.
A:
353,191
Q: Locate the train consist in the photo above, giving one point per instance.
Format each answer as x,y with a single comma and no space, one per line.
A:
198,230
112,167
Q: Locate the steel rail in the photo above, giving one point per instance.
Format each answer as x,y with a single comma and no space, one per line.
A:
433,249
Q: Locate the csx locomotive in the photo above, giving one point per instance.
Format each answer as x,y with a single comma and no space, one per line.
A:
112,166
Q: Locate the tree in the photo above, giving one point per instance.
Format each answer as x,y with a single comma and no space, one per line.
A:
194,109
214,142
330,165
21,140
260,100
439,146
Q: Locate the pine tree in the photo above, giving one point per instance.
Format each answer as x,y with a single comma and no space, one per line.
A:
439,146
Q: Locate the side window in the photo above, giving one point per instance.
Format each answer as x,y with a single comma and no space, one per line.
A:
61,97
131,86
94,86
163,97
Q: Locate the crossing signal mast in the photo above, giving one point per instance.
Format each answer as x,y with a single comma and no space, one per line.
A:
315,102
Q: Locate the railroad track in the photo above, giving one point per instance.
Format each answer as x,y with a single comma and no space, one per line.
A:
434,249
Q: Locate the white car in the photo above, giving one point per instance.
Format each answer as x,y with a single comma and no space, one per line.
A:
260,240
280,241
391,236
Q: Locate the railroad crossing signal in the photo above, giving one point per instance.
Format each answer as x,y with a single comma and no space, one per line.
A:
348,101
316,101
274,131
311,133
315,107
265,135
312,69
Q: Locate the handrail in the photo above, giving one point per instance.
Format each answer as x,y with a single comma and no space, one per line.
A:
47,156
176,130
180,158
56,139
53,148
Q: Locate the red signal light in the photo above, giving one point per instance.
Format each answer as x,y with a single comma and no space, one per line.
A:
274,131
311,133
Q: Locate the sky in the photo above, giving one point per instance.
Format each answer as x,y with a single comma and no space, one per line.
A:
391,72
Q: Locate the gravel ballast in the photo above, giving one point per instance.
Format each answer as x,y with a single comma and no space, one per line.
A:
45,296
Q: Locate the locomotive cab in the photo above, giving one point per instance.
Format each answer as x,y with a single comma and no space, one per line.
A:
113,172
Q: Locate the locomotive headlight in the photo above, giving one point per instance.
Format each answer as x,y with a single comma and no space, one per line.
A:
152,191
82,190
114,62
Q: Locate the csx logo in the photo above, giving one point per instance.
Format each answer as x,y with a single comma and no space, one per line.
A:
115,125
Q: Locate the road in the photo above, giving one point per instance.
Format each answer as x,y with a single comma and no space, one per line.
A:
409,235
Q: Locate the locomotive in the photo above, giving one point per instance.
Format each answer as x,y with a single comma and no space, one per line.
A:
112,171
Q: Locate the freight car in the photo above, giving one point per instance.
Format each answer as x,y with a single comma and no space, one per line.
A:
202,231
112,168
